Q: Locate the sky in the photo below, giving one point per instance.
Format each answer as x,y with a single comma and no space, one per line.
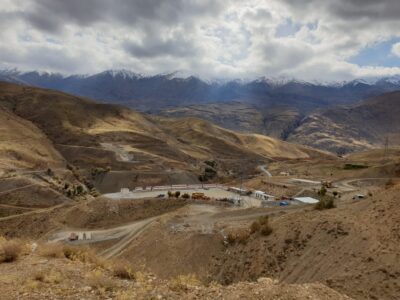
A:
325,40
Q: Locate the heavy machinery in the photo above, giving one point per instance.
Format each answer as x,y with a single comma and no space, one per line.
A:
197,195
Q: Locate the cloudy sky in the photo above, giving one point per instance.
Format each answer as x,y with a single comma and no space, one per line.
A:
305,39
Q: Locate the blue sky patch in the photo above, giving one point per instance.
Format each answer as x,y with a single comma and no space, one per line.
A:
377,55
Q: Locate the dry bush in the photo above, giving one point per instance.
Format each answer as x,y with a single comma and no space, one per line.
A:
97,280
48,276
183,283
261,225
266,229
263,220
10,250
83,254
231,238
53,250
325,203
254,227
123,270
242,236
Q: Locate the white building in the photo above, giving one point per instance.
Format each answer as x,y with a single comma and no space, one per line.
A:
306,200
237,190
263,196
124,191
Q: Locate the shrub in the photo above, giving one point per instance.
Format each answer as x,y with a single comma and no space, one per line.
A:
263,220
10,250
261,225
242,237
322,191
335,193
183,282
177,194
169,194
51,251
96,279
325,203
123,270
254,227
79,190
48,276
83,254
354,167
266,229
185,196
231,238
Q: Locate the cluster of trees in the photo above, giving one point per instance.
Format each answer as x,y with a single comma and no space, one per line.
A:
177,194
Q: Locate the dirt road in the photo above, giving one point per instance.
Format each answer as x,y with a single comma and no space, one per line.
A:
264,169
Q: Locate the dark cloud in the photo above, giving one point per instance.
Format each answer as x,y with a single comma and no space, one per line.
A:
213,38
50,15
350,10
154,46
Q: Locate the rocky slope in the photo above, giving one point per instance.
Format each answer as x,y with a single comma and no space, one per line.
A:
345,129
276,121
354,249
39,275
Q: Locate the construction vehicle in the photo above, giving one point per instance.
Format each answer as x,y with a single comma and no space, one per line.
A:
197,195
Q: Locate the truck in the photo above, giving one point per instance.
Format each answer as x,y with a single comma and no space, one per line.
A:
73,237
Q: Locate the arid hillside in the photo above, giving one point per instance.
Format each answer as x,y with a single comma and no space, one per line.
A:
32,271
345,129
353,248
23,145
92,135
271,121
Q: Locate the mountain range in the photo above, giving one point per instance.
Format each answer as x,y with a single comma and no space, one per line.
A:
159,92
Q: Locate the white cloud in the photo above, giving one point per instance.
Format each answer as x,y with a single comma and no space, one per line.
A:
210,38
396,49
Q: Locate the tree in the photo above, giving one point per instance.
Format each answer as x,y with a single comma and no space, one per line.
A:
177,194
322,191
185,196
79,190
169,194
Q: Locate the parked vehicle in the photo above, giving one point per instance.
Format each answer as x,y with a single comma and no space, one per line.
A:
73,237
283,203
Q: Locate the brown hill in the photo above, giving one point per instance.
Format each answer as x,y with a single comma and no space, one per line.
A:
47,274
23,145
354,128
354,249
92,135
272,121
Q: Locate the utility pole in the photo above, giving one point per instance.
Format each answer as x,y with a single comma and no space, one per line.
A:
386,148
